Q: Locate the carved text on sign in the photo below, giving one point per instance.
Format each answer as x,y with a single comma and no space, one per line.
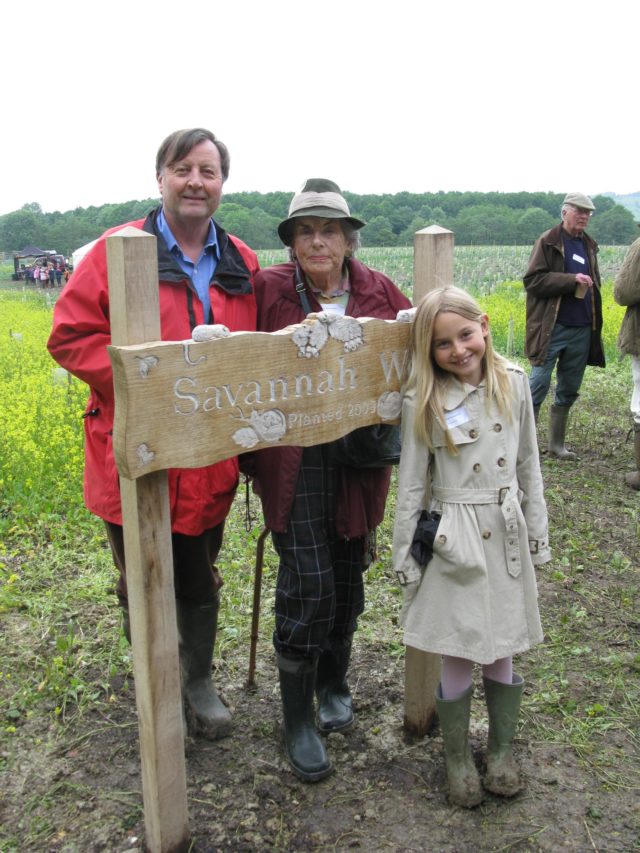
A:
188,403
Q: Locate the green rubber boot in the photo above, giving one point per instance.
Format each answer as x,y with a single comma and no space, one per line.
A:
503,705
633,480
303,745
335,704
464,782
206,713
558,416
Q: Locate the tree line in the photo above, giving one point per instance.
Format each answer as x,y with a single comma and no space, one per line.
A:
392,219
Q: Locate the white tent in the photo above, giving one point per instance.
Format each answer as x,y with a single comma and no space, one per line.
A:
79,254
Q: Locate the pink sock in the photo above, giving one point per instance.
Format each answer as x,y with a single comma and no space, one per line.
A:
455,677
500,670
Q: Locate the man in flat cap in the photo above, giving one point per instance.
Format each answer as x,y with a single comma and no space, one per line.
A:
564,314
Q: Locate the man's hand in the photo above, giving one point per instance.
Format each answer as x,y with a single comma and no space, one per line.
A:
584,280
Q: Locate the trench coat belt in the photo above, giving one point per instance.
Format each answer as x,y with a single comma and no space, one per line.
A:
506,497
474,496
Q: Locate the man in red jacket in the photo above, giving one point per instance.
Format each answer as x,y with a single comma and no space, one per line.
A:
205,276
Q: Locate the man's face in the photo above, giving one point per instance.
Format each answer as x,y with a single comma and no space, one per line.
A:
191,188
575,219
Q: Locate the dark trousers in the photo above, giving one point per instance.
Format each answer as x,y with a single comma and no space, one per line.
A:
569,347
196,579
320,588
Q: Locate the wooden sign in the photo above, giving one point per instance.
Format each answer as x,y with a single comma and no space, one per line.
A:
192,403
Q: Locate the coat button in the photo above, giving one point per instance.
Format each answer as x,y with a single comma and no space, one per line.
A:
486,534
497,427
502,462
442,539
477,467
473,433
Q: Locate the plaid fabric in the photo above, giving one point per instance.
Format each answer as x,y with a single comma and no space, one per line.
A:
320,588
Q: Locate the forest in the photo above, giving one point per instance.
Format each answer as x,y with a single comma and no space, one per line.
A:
499,219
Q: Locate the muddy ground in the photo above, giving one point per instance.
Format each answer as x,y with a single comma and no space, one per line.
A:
79,789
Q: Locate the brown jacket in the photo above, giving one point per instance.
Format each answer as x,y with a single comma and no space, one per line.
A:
546,283
626,291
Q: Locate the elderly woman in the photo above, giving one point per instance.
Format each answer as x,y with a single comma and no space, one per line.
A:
321,515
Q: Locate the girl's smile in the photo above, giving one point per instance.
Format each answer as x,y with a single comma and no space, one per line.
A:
459,345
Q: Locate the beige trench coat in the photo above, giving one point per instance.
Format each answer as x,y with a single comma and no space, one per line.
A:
477,598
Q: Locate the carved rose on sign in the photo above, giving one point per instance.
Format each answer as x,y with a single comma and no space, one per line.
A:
264,426
389,405
270,425
146,364
312,335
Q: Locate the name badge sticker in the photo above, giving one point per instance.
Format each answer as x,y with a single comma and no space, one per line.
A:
456,417
578,258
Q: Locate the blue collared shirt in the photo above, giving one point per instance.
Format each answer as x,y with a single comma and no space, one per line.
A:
202,271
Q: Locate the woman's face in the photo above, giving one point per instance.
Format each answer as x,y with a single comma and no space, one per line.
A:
320,247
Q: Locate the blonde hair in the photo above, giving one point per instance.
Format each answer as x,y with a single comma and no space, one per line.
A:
430,381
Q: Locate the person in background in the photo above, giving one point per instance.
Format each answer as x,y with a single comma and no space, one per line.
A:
563,314
322,515
43,275
626,291
470,457
205,276
59,267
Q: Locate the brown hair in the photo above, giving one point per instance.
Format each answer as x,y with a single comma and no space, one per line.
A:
178,144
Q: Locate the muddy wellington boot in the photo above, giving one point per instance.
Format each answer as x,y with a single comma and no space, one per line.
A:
633,479
464,782
503,705
335,704
303,745
126,624
557,431
206,713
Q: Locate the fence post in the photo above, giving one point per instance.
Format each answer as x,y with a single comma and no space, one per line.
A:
135,318
432,267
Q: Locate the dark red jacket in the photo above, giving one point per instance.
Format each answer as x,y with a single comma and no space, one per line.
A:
361,494
200,498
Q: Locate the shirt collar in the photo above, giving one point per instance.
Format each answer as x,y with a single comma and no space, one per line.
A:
457,393
211,243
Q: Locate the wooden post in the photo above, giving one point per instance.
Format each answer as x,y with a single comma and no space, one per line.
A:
432,267
135,318
432,260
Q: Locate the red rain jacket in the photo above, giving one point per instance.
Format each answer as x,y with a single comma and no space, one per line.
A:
200,498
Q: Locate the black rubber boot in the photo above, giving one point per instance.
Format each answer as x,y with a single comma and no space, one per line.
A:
335,705
206,713
303,745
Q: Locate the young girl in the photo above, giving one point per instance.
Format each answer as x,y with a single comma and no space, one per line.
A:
469,452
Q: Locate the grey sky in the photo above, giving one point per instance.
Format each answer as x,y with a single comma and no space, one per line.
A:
380,97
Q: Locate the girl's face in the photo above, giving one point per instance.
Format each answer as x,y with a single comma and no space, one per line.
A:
459,345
